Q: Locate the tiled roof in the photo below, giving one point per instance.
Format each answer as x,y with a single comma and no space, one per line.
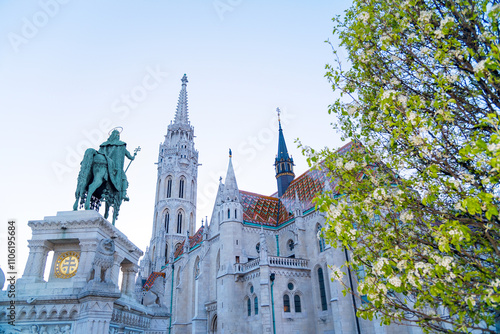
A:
261,209
151,280
195,240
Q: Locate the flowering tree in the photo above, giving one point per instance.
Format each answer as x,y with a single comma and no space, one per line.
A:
418,199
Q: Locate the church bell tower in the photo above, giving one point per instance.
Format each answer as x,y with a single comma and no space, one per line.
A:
176,187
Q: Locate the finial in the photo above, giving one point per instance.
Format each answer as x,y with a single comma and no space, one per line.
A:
230,153
184,79
279,118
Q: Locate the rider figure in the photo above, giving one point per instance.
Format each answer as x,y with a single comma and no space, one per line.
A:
115,152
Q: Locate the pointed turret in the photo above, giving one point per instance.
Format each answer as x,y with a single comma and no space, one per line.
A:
231,191
283,163
181,114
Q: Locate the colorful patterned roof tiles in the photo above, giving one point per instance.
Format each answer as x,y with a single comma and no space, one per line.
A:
261,209
195,240
151,280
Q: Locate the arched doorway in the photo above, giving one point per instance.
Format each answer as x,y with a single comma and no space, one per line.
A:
213,325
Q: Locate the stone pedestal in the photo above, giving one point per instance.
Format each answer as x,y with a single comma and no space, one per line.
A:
81,294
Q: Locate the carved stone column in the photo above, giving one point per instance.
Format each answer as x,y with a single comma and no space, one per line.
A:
115,269
37,258
87,252
128,282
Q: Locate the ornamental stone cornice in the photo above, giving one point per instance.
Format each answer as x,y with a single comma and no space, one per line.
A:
81,222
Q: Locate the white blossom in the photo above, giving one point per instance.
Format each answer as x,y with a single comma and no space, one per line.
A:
439,33
445,21
350,165
379,194
379,265
351,110
340,163
396,281
403,100
387,94
458,206
336,273
402,265
364,16
334,212
406,216
425,16
425,50
479,66
416,140
382,288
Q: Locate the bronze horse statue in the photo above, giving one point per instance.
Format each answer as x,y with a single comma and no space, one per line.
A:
102,178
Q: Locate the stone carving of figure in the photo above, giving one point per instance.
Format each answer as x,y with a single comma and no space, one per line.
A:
43,330
156,295
57,330
66,329
103,260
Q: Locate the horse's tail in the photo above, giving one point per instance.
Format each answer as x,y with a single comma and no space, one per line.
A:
85,173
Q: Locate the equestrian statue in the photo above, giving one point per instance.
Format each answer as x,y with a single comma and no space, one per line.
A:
102,178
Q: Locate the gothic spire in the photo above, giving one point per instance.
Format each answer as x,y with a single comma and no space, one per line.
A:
283,162
181,114
282,150
231,186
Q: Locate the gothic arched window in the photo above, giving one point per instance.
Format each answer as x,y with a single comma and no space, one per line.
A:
166,253
321,240
322,291
197,268
179,222
235,214
249,307
181,188
286,303
256,305
169,187
167,221
228,213
193,192
296,302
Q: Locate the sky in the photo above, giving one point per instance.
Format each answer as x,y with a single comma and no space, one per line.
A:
71,70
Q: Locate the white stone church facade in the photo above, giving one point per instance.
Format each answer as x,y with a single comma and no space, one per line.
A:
257,265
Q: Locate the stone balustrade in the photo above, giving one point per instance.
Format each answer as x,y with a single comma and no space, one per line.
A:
274,261
246,267
287,262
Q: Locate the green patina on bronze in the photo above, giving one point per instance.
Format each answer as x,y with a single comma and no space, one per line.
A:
102,178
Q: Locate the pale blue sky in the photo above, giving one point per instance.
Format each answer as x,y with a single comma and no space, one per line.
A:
63,80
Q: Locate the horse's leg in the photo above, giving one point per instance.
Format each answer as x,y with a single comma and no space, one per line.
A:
106,211
115,213
98,179
75,206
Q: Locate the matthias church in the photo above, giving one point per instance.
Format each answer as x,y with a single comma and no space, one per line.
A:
258,265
